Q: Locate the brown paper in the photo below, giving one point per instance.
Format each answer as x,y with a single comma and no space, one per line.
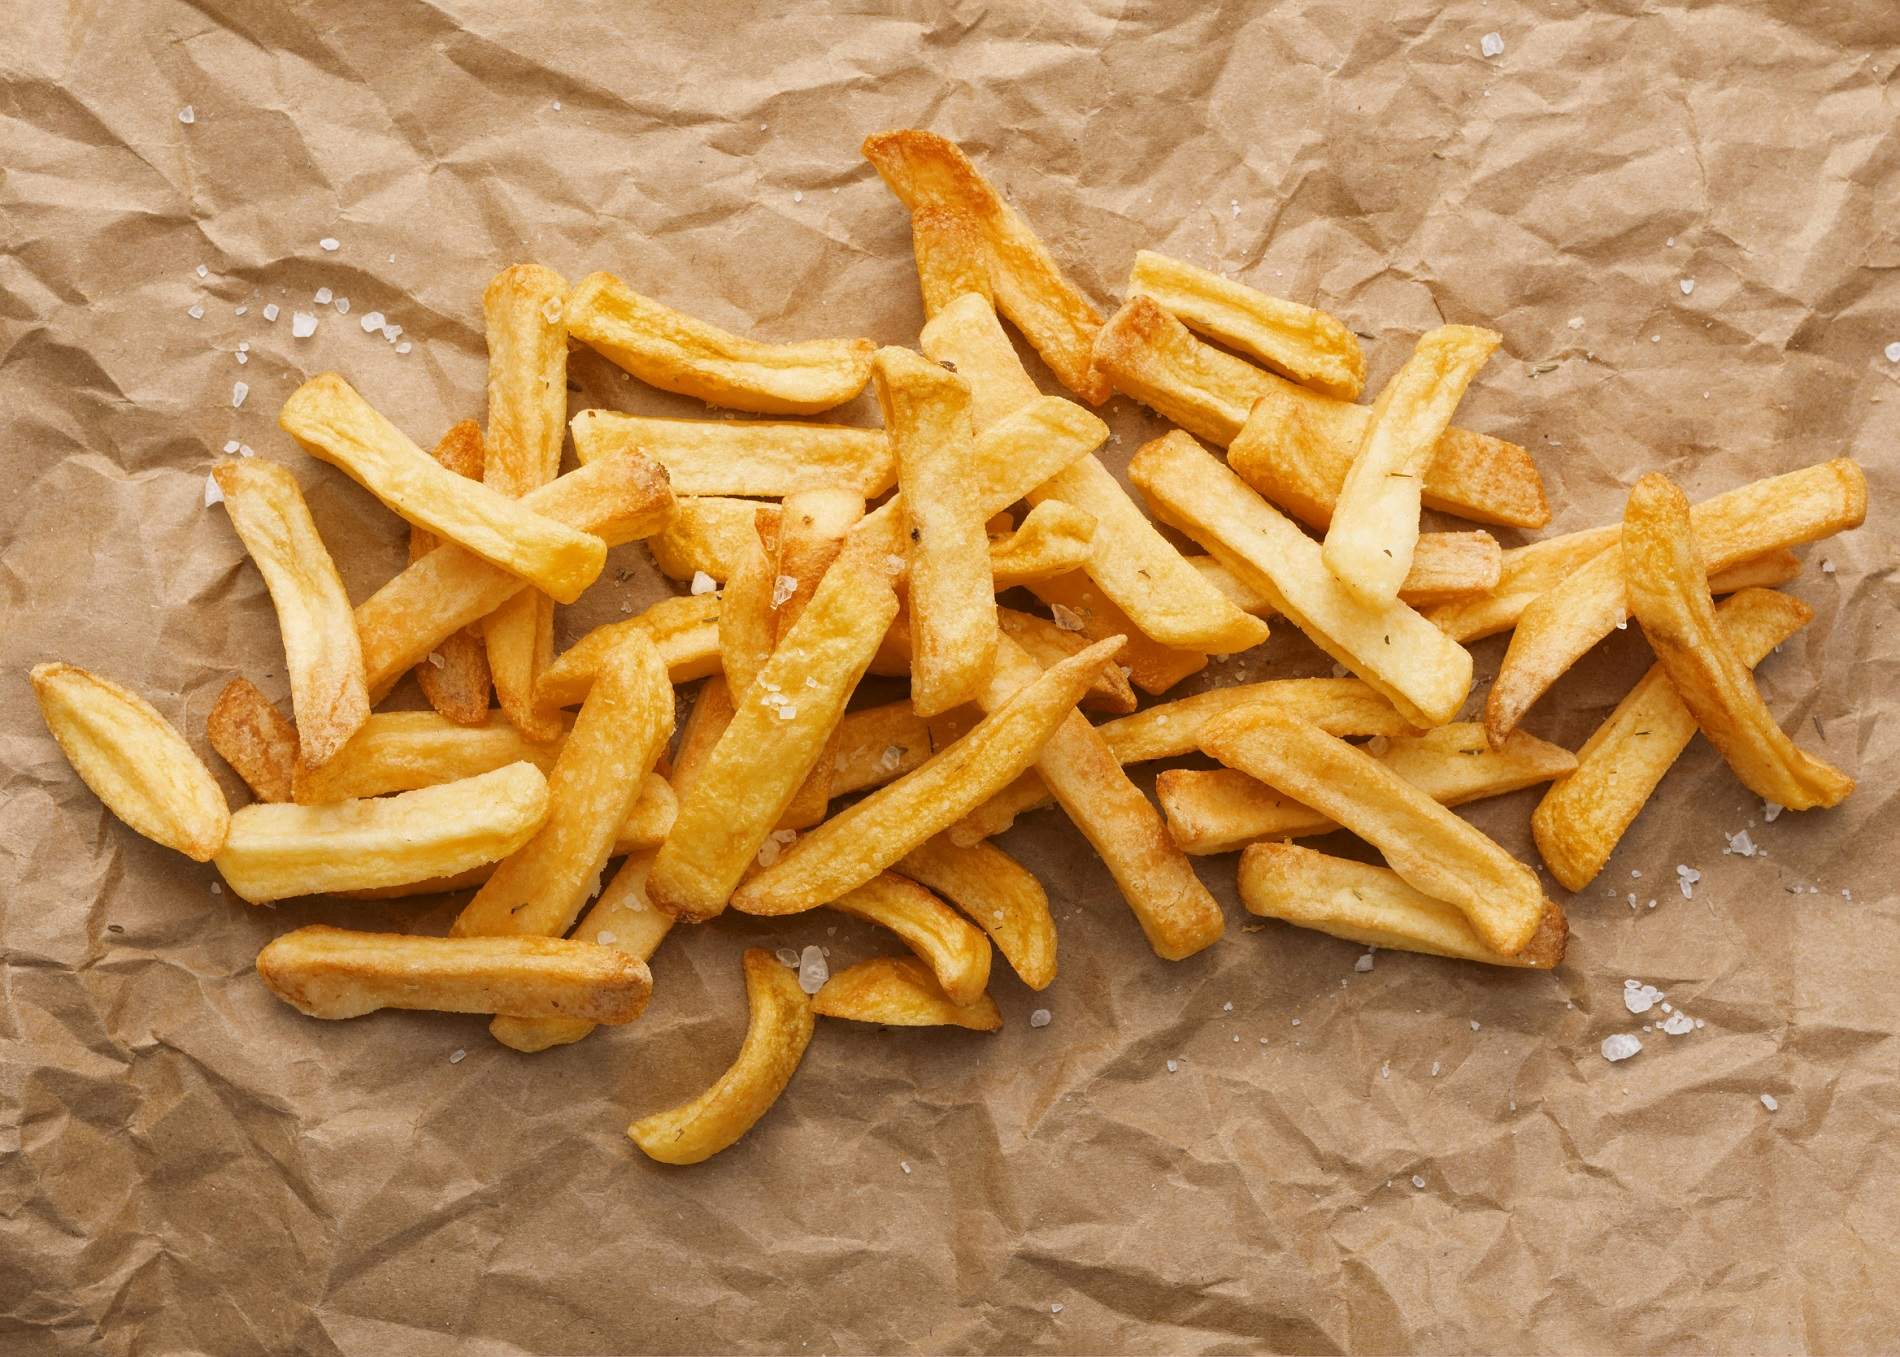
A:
1429,1156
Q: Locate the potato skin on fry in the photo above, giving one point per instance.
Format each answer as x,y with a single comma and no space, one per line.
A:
900,992
256,739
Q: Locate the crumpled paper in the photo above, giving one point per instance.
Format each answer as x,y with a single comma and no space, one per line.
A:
1681,218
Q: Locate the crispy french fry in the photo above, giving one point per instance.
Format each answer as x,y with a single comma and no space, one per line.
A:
998,814
1298,342
966,337
868,836
746,628
256,739
1669,596
999,893
926,170
1219,810
686,630
401,751
133,760
952,600
706,534
339,973
1432,849
953,256
1563,623
1079,603
956,952
1374,906
1447,567
1047,643
812,532
617,499
705,723
899,992
1423,672
756,458
274,852
1053,539
454,677
876,745
336,425
621,731
675,352
1338,706
321,649
777,1033
1582,817
1374,528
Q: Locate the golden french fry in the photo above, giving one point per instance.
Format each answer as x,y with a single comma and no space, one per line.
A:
1432,849
686,630
756,458
876,745
321,650
622,730
1374,906
454,677
1669,596
966,337
256,739
336,425
705,723
1338,706
952,600
133,760
339,973
868,836
617,498
676,352
706,534
1423,672
1582,817
747,631
1053,539
274,852
999,893
1374,528
996,815
1447,568
953,255
956,952
777,1033
401,751
1298,342
813,528
1079,603
926,170
898,992
1219,810
1047,643
1562,624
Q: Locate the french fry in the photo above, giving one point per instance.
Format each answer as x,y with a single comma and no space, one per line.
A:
1669,596
1582,608
813,529
1053,539
1374,906
617,499
746,628
952,599
998,814
256,739
339,973
705,723
686,630
956,952
777,1033
1338,706
621,731
999,893
1298,342
274,852
1424,673
1432,849
133,760
1219,810
899,992
1078,602
751,458
953,256
876,745
336,425
1047,644
321,650
1374,528
675,352
1447,567
863,839
401,751
455,677
1585,813
966,337
706,534
926,170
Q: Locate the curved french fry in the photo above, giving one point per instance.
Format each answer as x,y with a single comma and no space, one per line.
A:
1152,666
877,745
956,952
812,532
455,676
400,751
257,740
686,630
133,760
898,992
953,256
747,457
777,1033
1447,568
999,893
1048,643
1053,539
705,535
966,337
747,631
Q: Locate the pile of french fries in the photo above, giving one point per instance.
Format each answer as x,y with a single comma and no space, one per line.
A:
818,554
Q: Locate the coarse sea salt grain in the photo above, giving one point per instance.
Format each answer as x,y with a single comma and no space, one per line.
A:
1770,810
1676,1024
813,970
1768,1101
403,347
1475,1024
783,587
1492,44
1363,964
1055,1307
704,583
1621,1046
1575,322
605,938
330,243
213,495
1066,618
322,296
1042,1017
1740,845
372,320
242,358
1686,877
195,311
231,445
188,115
1418,1180
1640,999
239,390
203,271
787,956
1893,352
459,1056
270,311
1687,285
1173,1066
343,306
302,325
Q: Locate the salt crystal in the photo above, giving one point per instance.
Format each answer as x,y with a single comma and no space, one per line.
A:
302,325
1435,1069
1621,1046
239,390
1700,1024
1575,322
1641,999
1893,352
704,583
1172,1067
1671,242
1227,1007
216,889
606,939
1042,1017
1492,44
1363,964
798,196
322,296
1296,1022
812,970
231,446
243,358
1475,1024
1676,1024
1686,877
1770,810
892,756
244,346
787,956
329,243
459,1056
392,333
435,658
403,347
768,853
203,271
245,450
557,109
238,312
1741,845
371,320
1233,208
787,710
196,312
551,310
1418,1181
1066,618
903,1164
1385,1069
1827,567
782,589
187,115
343,306
270,311
1768,1101
1687,285
894,564
1055,1307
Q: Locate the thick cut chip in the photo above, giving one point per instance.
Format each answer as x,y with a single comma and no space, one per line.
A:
256,739
686,630
400,751
454,677
876,745
1446,566
705,535
339,973
1298,342
1423,672
675,352
336,425
925,170
776,1035
811,535
1562,624
1053,539
1581,818
1669,596
1219,810
274,852
999,893
868,836
1338,706
321,651
1047,643
1432,849
1374,529
1078,604
1374,906
621,731
747,631
956,952
716,457
967,338
953,256
900,992
133,760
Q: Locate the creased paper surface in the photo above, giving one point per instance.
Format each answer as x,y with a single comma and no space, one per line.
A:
1682,218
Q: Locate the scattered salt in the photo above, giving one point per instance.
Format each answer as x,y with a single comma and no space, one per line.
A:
1655,339
557,109
1233,208
1296,1022
1621,1046
322,296
1686,877
372,320
239,390
1363,964
782,589
606,939
1676,1024
1492,44
187,115
196,312
1740,845
1066,618
704,583
1385,1069
403,347
1641,999
329,243
1827,567
244,346
1042,1017
787,710
459,1056
203,271
1055,1307
243,358
435,658
1575,322
270,311
1687,285
302,325
1172,1067
392,333
1770,810
238,311
1418,1180
343,306
1436,1067
551,310
1475,1024
231,445
1768,1101
798,196
787,956
812,970
1893,352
